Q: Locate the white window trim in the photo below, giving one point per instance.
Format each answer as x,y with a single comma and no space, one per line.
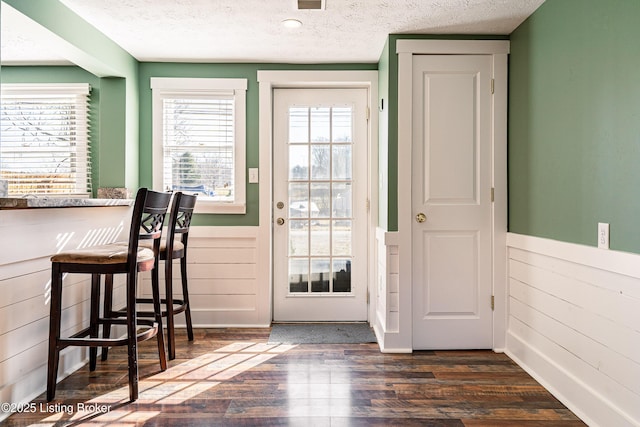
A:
169,86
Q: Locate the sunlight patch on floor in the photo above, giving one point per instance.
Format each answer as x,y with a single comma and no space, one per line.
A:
173,386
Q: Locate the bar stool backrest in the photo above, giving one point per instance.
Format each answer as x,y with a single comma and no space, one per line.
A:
180,217
134,233
185,212
153,215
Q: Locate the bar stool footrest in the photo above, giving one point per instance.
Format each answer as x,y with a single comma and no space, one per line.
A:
78,340
179,306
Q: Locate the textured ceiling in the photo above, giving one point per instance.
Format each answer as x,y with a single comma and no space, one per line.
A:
250,30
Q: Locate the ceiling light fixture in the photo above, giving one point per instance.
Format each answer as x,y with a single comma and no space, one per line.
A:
292,23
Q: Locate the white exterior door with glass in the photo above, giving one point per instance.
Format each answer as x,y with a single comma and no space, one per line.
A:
320,161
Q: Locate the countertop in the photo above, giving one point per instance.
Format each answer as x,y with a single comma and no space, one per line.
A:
58,202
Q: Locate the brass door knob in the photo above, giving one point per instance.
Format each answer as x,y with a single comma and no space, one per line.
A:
421,217
280,221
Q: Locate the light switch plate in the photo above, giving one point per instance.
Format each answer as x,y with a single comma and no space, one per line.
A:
253,175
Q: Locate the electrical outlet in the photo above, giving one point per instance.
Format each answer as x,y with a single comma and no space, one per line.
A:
603,235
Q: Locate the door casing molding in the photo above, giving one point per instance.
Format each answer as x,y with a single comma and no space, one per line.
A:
499,50
269,80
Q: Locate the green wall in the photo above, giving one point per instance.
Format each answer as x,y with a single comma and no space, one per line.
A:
124,130
243,70
574,122
383,138
121,129
76,40
108,118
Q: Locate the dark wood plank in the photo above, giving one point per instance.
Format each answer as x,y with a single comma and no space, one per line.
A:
232,377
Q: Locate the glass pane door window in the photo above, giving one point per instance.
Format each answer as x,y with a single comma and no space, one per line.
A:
320,200
320,193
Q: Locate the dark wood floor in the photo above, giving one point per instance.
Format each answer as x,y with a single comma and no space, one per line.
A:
232,377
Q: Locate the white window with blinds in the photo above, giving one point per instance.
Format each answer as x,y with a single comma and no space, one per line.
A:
44,139
199,141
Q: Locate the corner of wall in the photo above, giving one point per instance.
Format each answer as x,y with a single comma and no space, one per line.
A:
386,322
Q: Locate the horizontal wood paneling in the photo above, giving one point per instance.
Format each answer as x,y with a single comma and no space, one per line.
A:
13,316
228,281
577,354
211,286
221,255
609,296
574,316
29,238
387,321
54,230
581,320
32,275
223,276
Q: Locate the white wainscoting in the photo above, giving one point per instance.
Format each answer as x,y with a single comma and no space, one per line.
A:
228,283
574,325
227,286
386,323
29,238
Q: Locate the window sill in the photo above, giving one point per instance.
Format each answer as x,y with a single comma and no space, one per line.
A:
209,207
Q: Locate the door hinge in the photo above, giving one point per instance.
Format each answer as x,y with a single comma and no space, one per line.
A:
493,85
493,303
368,204
368,113
493,194
368,296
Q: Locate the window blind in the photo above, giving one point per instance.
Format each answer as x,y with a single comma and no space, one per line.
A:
45,139
198,145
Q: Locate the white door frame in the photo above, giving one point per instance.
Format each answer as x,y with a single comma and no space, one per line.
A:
268,81
499,49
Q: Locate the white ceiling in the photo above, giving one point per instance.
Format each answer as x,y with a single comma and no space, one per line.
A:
251,30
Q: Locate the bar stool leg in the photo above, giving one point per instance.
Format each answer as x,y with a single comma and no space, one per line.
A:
185,296
157,309
168,272
54,330
107,308
132,344
93,322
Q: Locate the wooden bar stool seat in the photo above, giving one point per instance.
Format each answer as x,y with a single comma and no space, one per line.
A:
148,215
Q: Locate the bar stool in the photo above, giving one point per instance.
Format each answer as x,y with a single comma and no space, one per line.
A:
172,247
148,215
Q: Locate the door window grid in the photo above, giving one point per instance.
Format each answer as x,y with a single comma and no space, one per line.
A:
320,199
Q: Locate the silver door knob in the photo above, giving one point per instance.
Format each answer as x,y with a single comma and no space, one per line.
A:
421,217
280,221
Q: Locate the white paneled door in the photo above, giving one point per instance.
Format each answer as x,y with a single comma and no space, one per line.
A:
320,204
451,202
